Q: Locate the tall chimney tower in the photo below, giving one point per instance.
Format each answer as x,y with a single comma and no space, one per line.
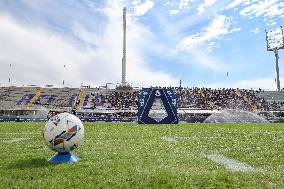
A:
124,49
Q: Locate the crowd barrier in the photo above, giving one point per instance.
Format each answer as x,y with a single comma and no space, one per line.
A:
129,119
32,119
22,119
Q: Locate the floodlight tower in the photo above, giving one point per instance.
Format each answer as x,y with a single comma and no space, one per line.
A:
275,42
123,82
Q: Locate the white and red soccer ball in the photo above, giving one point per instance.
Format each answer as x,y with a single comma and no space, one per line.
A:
63,132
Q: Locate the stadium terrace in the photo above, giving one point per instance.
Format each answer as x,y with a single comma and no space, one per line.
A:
113,105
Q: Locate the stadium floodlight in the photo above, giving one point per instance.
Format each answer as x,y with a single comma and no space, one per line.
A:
275,39
275,42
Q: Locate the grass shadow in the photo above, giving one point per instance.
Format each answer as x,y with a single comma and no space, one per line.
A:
32,163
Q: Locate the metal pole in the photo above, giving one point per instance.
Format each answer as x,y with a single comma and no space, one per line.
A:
10,74
124,48
277,69
63,82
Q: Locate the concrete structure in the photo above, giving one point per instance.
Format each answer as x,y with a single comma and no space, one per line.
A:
123,82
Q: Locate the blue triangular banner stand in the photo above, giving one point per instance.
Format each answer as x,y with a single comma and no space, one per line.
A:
167,97
64,157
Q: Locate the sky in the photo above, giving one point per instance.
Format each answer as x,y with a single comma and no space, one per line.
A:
203,43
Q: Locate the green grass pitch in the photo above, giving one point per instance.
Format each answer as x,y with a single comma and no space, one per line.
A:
127,155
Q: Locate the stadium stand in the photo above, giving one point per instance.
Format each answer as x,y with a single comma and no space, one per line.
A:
108,99
207,98
56,98
272,100
16,97
35,97
194,104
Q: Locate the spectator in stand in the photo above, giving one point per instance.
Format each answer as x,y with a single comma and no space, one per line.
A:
197,98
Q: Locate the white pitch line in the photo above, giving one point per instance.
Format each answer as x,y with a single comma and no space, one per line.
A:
18,133
10,140
231,164
169,139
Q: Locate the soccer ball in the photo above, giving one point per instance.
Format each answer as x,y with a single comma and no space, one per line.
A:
63,132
